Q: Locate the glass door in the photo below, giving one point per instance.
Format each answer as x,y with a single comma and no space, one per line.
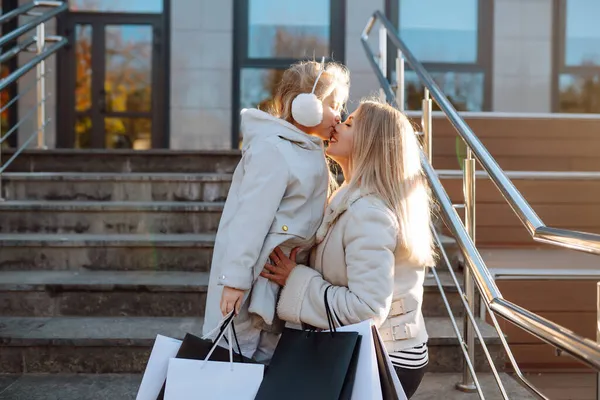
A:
115,81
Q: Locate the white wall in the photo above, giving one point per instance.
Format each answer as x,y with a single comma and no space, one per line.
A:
522,55
201,65
363,82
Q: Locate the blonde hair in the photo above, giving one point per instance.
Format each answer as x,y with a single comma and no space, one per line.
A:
300,78
385,161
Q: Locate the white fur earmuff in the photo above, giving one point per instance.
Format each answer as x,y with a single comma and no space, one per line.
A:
307,109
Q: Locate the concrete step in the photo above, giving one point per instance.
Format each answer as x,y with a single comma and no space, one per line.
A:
122,344
99,160
116,186
125,386
109,217
185,252
103,293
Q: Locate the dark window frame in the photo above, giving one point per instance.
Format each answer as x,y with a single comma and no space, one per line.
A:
161,67
241,60
485,49
559,63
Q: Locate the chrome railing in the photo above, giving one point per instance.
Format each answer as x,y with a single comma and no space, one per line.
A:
582,349
43,46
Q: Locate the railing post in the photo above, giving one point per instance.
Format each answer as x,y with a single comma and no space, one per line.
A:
426,124
467,384
383,58
400,81
40,41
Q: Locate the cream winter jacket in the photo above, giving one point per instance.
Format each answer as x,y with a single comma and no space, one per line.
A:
359,255
277,196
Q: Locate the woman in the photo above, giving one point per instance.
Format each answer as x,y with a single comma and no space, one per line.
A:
374,242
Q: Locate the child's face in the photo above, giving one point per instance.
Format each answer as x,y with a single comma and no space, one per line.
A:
331,117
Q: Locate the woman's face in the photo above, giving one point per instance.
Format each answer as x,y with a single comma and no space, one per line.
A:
331,117
341,141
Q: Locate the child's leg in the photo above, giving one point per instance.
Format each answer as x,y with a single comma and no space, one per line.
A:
266,347
248,335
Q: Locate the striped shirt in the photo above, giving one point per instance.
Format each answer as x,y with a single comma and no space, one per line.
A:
414,358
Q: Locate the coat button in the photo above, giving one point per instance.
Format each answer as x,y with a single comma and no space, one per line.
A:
285,228
222,277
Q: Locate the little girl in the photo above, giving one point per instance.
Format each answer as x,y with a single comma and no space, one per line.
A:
277,197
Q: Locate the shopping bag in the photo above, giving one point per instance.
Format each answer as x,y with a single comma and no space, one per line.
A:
366,382
156,370
312,365
391,387
196,348
213,380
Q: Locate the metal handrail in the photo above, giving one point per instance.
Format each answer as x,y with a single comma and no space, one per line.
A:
582,349
38,61
587,242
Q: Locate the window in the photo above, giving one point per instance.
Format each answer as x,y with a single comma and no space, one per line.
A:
452,39
130,6
272,34
577,57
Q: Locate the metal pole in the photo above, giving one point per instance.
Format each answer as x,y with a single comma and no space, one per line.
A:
383,58
400,80
40,41
426,124
598,336
467,384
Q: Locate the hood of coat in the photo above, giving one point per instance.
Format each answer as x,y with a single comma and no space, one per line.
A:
259,124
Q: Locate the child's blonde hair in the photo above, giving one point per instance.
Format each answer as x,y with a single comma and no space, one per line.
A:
386,161
300,78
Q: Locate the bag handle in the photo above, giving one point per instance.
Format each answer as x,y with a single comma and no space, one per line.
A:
330,320
226,325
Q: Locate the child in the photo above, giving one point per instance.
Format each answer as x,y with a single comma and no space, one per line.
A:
277,197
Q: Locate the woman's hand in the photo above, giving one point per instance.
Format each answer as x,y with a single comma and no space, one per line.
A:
282,266
231,299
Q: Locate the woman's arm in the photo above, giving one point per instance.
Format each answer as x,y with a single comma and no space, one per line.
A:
370,239
261,190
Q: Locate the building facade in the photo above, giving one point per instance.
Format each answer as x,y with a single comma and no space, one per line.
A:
175,73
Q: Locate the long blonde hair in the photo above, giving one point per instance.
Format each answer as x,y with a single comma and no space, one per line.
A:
300,78
385,161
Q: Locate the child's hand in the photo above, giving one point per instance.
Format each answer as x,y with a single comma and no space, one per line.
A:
231,299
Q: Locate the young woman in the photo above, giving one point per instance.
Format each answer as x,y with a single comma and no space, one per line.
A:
277,197
374,242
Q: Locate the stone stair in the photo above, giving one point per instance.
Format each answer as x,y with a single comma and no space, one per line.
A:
100,251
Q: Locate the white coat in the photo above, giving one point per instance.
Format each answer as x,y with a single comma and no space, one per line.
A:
361,257
277,197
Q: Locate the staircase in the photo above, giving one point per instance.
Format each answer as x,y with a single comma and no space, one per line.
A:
94,264
102,251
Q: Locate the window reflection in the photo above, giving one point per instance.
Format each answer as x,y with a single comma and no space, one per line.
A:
283,29
463,89
129,6
579,94
83,57
128,83
582,43
440,30
258,87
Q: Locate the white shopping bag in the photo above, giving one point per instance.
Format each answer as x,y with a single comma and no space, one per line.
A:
213,380
366,382
155,374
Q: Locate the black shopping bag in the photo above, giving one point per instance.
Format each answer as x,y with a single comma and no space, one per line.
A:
312,365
